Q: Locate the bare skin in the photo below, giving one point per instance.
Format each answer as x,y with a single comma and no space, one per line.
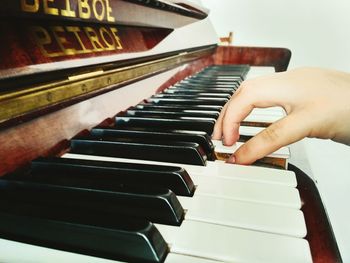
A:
317,103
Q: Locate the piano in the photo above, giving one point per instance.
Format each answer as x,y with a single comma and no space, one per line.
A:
107,107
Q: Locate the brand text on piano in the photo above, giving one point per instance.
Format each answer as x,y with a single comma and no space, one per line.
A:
55,41
95,9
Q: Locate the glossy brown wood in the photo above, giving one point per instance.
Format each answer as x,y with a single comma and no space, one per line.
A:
50,133
37,32
19,48
254,56
150,13
319,231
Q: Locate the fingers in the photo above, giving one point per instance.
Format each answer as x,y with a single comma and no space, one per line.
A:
260,92
237,110
283,132
217,132
227,125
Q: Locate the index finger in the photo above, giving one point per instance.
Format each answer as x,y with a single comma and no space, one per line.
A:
260,92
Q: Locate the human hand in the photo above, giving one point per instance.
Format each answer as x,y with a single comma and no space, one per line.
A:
317,103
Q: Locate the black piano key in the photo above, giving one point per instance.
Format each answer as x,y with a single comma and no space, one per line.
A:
75,230
217,78
177,107
206,86
186,90
191,96
219,75
202,121
211,75
164,135
244,138
215,100
211,81
178,152
74,172
192,124
154,204
196,101
213,78
180,109
170,114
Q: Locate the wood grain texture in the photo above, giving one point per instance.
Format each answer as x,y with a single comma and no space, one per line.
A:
255,56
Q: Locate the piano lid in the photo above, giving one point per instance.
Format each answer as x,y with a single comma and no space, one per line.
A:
38,33
56,53
148,13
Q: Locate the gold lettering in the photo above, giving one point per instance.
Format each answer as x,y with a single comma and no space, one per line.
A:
103,32
84,9
95,42
76,30
68,11
32,8
42,38
109,12
61,41
56,41
49,10
94,8
116,37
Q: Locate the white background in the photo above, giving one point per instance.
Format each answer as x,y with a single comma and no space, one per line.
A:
318,34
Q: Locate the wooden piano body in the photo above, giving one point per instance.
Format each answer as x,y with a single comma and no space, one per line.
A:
43,106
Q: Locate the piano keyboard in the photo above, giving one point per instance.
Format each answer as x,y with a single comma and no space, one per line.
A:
157,164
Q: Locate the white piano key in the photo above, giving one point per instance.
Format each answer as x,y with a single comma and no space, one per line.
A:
260,217
247,191
230,244
17,252
257,71
245,173
262,118
178,258
265,115
221,186
250,130
275,111
218,169
283,152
